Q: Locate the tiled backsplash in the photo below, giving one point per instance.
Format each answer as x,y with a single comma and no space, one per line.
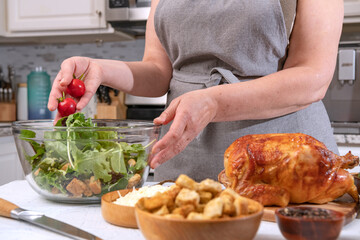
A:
24,58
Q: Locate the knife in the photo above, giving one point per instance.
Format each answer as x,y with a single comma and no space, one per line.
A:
10,210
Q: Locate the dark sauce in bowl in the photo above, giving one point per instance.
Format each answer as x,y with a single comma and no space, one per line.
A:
307,223
319,213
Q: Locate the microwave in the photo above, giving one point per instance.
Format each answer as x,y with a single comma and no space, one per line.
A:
128,16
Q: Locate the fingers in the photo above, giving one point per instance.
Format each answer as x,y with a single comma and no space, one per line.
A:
55,93
84,100
180,134
176,129
189,113
171,150
57,117
75,66
91,85
168,114
67,71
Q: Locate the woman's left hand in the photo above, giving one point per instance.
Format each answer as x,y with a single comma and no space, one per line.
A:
190,114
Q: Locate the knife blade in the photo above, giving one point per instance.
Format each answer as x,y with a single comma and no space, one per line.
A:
10,210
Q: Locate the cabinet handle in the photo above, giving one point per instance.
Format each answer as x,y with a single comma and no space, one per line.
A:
98,12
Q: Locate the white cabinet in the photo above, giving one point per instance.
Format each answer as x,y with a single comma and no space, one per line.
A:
54,15
10,167
351,11
44,18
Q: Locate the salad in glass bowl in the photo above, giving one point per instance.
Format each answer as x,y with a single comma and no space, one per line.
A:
79,159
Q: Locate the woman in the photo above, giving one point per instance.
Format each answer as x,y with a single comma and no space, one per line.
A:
228,71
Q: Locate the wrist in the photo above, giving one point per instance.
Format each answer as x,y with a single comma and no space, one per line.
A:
212,101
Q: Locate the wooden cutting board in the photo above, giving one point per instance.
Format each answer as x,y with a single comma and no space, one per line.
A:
344,205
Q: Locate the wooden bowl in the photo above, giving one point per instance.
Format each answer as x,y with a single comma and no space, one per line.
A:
303,228
116,214
161,228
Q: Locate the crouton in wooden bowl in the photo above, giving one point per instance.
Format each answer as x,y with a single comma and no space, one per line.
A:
191,210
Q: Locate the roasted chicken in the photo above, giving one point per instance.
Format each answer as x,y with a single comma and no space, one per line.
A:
278,169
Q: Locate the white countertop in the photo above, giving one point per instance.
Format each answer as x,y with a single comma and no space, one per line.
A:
89,218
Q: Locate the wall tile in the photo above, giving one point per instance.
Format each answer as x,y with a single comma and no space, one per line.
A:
26,57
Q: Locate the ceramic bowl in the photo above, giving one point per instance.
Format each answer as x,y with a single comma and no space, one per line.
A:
80,164
161,228
303,228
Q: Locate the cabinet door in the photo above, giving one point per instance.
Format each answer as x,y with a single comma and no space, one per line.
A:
10,168
351,11
55,15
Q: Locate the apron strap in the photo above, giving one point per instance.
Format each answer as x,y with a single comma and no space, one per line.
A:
289,11
220,75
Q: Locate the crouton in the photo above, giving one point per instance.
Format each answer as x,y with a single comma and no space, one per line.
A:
131,162
76,187
37,172
160,199
161,211
174,216
228,207
187,196
94,185
205,197
134,180
186,182
213,209
184,210
196,216
65,166
210,185
241,206
55,190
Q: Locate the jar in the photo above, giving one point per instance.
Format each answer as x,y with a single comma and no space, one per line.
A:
39,86
22,107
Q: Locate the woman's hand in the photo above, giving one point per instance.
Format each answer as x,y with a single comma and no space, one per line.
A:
70,67
190,114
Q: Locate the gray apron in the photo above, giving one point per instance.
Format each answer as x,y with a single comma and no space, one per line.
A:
223,42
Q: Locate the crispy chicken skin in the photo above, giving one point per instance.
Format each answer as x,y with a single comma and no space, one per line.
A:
278,169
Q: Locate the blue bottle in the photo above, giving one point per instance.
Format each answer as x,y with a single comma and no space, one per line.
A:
39,86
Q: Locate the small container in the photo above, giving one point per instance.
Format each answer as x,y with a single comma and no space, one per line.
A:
307,223
39,86
22,107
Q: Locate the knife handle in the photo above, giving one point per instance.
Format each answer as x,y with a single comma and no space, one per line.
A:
6,207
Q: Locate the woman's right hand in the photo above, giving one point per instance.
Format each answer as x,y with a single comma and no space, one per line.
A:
70,67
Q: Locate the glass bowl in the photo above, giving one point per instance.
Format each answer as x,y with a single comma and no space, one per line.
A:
80,164
302,223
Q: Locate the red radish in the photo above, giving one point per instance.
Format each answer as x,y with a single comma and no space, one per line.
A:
67,106
76,88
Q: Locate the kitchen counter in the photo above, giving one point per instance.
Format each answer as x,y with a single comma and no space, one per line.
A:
5,129
89,218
